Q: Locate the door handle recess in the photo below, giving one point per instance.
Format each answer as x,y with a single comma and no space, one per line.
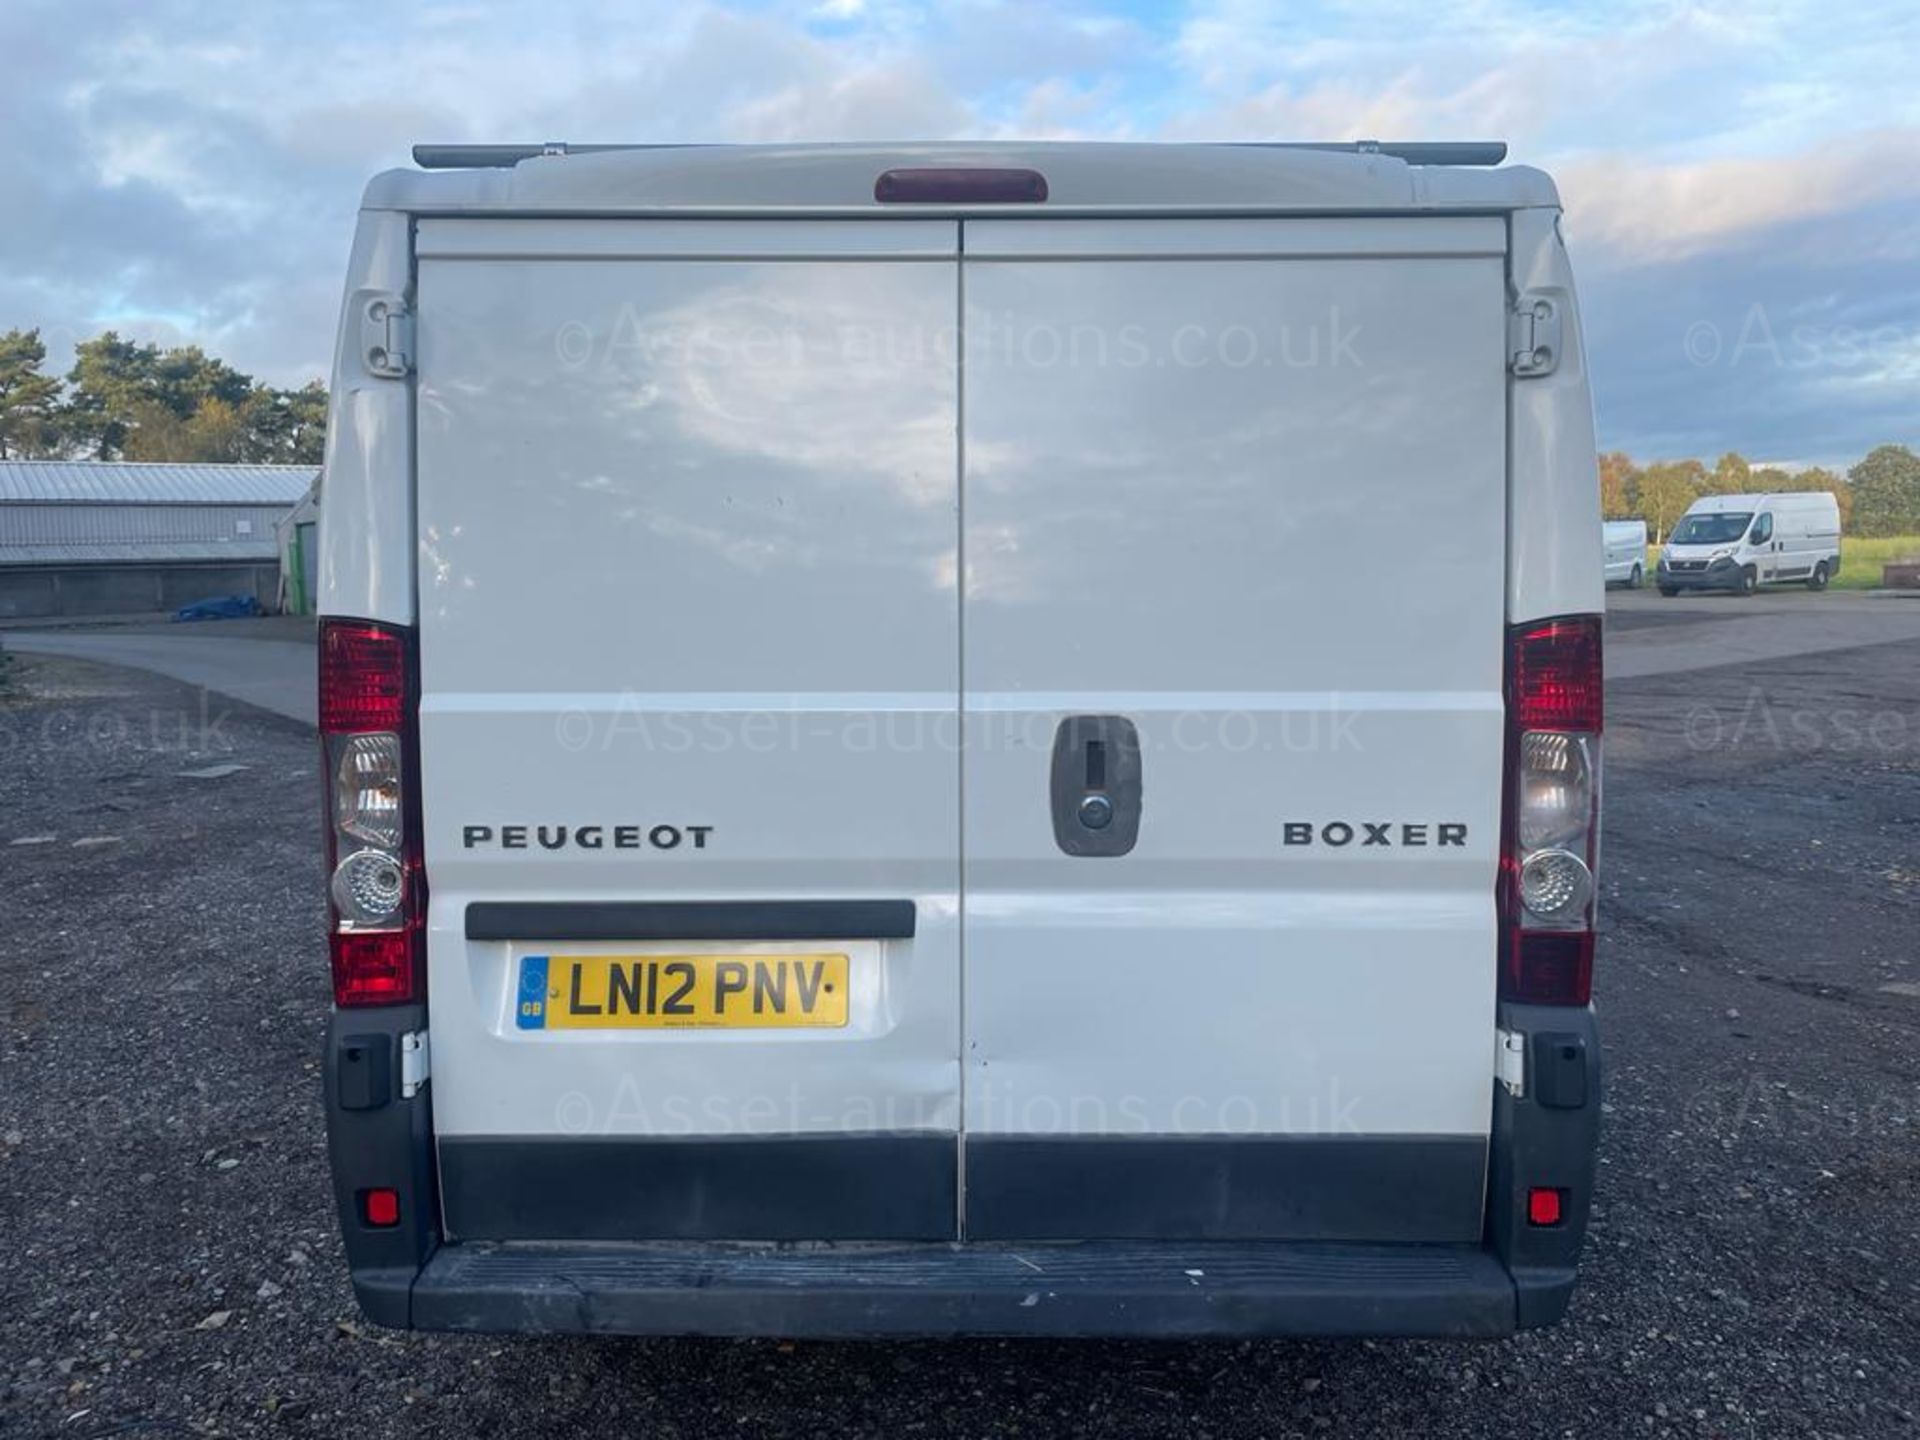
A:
1096,785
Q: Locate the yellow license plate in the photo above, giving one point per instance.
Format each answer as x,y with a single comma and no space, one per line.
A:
671,992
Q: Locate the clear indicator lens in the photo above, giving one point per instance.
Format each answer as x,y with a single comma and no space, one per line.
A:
1556,790
366,788
1555,885
367,888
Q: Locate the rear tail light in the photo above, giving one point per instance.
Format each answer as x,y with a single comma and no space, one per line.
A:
377,896
1552,821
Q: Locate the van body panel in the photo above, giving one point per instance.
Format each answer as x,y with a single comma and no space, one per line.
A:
1553,475
1299,237
1147,535
365,561
687,529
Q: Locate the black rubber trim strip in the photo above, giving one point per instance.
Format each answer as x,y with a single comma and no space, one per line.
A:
1397,1188
894,1186
690,920
1100,1288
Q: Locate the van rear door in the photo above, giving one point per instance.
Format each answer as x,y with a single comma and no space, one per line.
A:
1234,546
689,645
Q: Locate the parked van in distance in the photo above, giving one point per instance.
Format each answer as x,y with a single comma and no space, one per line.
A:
709,528
1741,542
1626,548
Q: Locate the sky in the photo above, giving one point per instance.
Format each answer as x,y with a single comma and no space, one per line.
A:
1742,181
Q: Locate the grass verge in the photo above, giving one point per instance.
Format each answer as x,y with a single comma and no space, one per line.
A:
1860,560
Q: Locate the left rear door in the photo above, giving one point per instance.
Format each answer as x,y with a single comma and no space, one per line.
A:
687,502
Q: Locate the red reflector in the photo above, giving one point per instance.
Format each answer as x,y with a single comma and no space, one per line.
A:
1555,676
380,1208
1544,1207
373,967
363,677
957,186
1549,967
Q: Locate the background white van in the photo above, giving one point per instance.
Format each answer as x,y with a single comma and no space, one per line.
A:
1625,542
1741,542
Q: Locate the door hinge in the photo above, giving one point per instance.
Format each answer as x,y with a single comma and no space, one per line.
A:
1533,335
415,1063
386,334
1510,1061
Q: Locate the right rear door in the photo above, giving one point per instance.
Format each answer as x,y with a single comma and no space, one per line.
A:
1235,488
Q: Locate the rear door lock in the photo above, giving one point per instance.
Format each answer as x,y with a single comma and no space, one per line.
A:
1096,785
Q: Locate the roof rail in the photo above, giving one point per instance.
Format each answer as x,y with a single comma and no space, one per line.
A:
1414,152
501,157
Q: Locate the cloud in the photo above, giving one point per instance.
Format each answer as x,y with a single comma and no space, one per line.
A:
189,172
1650,211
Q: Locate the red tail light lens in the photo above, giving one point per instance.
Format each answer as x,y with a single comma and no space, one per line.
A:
380,1207
1552,818
363,677
1548,967
369,759
1554,680
374,967
1546,1207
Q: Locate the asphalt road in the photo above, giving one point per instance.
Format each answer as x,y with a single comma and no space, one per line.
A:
275,671
1652,634
1754,1267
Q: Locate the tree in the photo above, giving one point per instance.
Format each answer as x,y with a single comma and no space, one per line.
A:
111,380
1732,475
215,433
1666,490
144,403
288,426
1886,492
187,378
28,399
1619,486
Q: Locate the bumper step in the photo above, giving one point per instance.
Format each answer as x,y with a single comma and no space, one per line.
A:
1105,1288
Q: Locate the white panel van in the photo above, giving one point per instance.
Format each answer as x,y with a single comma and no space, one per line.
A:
860,801
1741,542
1625,544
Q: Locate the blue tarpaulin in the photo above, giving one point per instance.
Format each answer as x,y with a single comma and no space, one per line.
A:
219,607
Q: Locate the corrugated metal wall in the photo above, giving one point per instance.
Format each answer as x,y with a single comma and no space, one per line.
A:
157,526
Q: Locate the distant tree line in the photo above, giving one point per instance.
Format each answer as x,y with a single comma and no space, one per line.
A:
123,400
1879,496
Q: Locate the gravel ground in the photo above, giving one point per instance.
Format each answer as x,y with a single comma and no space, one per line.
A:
1754,1267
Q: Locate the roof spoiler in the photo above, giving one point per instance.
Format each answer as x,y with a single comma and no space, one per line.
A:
1414,152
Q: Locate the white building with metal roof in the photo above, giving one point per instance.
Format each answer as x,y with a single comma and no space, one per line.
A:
91,537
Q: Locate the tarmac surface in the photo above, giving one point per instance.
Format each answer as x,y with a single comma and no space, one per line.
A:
1753,1269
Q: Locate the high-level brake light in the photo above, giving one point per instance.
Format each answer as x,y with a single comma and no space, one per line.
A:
376,900
1552,811
960,185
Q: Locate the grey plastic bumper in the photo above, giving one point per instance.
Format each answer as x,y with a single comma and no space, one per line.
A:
1107,1288
1518,1277
1727,577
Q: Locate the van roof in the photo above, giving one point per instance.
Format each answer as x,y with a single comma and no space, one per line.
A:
1084,178
1713,504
